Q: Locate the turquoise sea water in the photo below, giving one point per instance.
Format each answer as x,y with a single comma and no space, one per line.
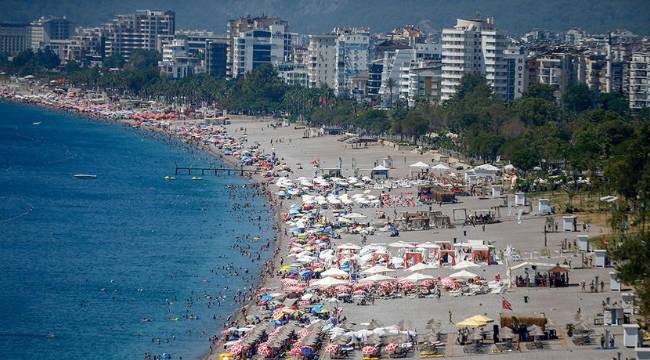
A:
83,262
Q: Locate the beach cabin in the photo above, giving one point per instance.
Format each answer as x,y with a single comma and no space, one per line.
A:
476,251
600,258
496,191
520,199
627,300
569,223
613,315
544,207
614,282
631,335
387,162
582,242
446,254
379,173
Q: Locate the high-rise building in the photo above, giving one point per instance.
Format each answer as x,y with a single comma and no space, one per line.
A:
177,60
375,71
473,46
516,83
321,61
639,81
352,53
139,30
45,29
216,55
236,31
258,47
424,81
557,69
14,38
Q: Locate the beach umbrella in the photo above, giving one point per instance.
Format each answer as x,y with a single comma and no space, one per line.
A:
482,318
417,277
354,216
349,246
377,278
334,272
469,323
463,275
506,333
427,245
377,269
401,245
419,165
421,266
465,265
329,281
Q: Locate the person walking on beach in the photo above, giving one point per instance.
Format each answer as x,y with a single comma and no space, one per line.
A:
451,322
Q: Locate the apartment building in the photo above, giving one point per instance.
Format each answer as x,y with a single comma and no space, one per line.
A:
48,28
139,30
375,71
14,38
321,61
473,46
557,69
257,47
352,54
424,82
216,57
639,81
237,30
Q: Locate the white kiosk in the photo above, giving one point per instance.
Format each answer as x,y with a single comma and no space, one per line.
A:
520,199
496,191
627,299
544,207
600,257
569,223
582,242
387,162
630,335
614,283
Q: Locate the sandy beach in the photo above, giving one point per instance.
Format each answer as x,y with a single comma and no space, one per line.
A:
525,234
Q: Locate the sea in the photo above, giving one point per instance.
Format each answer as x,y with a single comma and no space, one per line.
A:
125,264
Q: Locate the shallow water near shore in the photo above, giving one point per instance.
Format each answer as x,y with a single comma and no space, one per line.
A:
83,262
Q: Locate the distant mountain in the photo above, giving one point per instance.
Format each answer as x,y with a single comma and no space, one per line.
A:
315,16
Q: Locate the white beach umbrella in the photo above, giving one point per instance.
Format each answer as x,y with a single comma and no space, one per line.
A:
427,245
330,281
417,277
465,265
463,275
348,246
377,278
334,272
400,245
419,165
421,266
377,269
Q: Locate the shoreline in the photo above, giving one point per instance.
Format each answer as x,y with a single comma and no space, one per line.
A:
213,152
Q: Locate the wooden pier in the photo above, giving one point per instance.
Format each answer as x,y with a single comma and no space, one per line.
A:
188,170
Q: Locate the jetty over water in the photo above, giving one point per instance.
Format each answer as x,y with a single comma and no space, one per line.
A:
191,170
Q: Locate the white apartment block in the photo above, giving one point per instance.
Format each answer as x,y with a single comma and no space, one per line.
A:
177,61
237,29
399,65
473,46
352,52
256,47
321,61
639,84
139,30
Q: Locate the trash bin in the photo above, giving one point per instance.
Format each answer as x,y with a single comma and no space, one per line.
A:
526,299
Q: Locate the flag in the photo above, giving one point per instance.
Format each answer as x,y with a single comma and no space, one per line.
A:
505,304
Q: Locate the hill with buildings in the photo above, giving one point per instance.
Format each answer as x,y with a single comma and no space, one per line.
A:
313,16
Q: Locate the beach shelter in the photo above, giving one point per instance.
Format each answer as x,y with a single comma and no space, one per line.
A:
440,168
475,321
377,278
465,265
379,172
334,272
417,277
463,275
419,166
329,282
377,269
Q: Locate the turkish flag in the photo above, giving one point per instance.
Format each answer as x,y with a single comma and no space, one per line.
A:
505,304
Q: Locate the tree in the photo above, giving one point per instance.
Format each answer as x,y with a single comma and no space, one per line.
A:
535,111
541,91
390,83
578,98
143,60
115,61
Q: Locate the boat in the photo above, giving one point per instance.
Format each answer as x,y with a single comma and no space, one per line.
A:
197,178
170,177
85,176
37,123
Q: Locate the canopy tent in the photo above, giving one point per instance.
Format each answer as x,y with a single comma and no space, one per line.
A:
463,275
440,167
419,165
486,168
475,321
